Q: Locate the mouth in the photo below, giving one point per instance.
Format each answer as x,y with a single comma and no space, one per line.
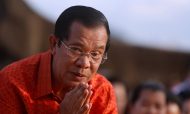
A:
79,77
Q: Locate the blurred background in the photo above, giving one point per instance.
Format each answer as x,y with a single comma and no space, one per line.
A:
150,38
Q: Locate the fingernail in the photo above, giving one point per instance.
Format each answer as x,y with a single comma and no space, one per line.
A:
90,86
90,105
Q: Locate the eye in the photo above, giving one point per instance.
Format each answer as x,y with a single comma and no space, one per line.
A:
96,54
75,49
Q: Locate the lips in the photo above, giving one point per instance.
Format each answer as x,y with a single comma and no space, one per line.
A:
79,77
79,74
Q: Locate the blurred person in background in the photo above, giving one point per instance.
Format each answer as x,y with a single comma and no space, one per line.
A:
183,86
148,97
173,103
63,80
121,94
185,98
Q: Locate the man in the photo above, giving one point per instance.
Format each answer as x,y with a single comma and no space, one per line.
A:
148,98
63,80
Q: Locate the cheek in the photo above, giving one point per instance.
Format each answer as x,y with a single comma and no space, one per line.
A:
62,63
94,69
138,109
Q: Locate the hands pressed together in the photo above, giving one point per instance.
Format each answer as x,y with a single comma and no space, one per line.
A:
77,101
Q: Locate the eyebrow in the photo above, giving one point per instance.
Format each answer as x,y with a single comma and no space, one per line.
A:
81,45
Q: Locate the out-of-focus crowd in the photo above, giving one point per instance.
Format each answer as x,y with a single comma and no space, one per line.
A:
152,97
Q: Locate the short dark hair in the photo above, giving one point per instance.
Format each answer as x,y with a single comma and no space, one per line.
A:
184,95
88,16
147,85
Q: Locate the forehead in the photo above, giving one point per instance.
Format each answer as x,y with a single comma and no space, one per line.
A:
87,35
173,108
152,95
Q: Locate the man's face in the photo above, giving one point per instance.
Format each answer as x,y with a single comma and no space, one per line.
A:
71,71
150,102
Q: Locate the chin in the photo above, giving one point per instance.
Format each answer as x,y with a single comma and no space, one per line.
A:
72,84
75,82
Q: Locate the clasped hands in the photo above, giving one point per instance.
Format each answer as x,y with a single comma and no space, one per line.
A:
77,101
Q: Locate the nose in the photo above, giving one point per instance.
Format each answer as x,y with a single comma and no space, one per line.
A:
83,62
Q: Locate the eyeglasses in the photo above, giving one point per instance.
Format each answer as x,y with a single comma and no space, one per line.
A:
94,56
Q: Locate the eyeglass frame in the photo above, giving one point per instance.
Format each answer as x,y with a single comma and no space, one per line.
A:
69,49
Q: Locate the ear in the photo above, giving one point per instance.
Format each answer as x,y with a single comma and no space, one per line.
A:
52,42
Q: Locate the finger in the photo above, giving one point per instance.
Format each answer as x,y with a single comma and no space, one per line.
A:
71,96
80,96
77,87
74,98
85,109
87,94
80,90
76,92
90,94
81,99
88,111
85,85
90,87
87,100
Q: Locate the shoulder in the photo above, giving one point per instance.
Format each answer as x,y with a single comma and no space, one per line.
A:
103,97
100,82
22,65
101,86
21,70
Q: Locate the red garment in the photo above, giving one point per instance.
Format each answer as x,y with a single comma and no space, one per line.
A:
25,87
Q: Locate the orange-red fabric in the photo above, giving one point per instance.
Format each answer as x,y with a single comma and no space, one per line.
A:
25,88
